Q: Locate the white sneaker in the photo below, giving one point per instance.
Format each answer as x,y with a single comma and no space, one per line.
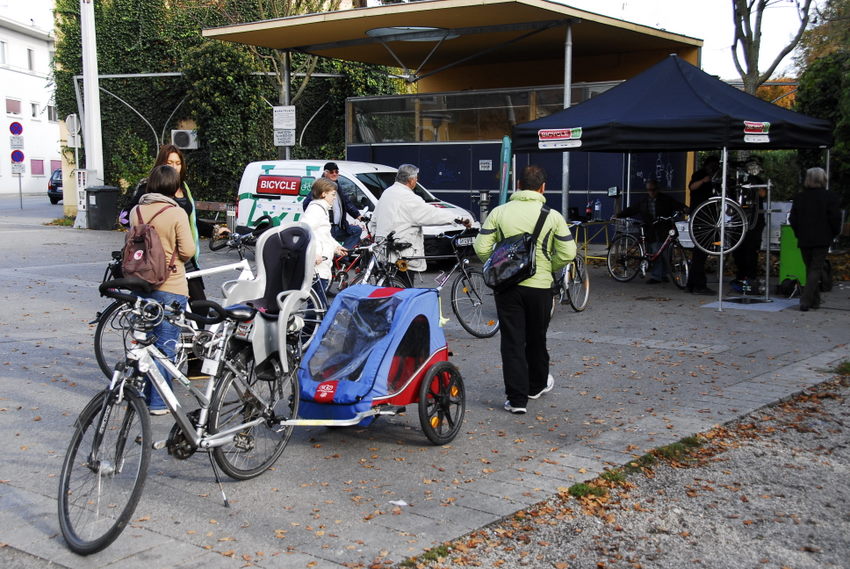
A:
550,383
515,410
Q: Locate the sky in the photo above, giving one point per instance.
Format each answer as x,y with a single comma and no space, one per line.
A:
708,20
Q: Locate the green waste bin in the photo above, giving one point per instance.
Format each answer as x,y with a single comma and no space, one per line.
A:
101,207
791,265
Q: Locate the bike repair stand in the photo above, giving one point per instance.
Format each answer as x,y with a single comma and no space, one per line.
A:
748,287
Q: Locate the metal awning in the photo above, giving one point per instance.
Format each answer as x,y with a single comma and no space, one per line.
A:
507,30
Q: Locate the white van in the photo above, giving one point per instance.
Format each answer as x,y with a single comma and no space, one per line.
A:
277,188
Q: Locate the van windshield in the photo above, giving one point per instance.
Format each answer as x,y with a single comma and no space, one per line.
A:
377,182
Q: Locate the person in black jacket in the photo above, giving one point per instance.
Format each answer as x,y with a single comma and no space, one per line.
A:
702,186
342,231
648,210
816,221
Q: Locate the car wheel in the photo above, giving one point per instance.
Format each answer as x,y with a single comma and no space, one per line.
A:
54,201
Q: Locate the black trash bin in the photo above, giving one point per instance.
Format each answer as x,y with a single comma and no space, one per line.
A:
101,207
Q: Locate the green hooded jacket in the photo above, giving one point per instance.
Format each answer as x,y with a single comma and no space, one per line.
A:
555,245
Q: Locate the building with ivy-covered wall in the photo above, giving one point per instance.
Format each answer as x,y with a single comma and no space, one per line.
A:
30,144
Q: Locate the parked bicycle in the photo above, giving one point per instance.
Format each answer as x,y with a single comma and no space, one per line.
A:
472,301
379,270
239,421
111,340
572,283
628,256
352,263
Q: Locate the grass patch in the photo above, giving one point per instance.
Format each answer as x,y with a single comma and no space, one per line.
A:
433,554
67,221
677,450
843,368
645,461
581,490
614,476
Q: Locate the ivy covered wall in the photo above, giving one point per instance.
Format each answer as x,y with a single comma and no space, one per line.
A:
226,90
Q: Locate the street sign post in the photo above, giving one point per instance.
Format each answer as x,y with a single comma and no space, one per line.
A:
284,125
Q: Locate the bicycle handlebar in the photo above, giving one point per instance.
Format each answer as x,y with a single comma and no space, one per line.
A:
135,284
197,315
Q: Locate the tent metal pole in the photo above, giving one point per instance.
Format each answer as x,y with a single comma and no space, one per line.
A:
827,167
722,232
568,87
628,179
768,221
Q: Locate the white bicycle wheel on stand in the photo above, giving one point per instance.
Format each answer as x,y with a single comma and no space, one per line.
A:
716,216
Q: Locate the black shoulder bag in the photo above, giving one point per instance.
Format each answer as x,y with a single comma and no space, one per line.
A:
514,258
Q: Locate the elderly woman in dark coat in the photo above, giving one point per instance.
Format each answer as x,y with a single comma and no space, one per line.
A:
816,221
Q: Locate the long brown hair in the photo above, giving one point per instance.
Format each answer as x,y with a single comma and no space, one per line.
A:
162,158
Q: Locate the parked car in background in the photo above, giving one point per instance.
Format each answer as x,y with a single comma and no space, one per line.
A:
54,186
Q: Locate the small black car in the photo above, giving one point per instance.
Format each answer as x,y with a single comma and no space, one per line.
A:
54,186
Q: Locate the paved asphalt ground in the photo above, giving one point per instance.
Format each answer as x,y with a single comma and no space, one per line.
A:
642,367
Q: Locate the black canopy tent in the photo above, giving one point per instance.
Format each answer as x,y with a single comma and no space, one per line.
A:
673,106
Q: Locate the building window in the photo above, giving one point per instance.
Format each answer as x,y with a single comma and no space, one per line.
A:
13,107
34,108
51,113
37,167
31,60
55,165
2,53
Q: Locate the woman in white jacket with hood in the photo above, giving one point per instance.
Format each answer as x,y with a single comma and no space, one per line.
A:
316,216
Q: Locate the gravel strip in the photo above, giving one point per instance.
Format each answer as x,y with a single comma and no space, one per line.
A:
767,491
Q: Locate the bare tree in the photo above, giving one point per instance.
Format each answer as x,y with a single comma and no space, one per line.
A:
748,16
240,11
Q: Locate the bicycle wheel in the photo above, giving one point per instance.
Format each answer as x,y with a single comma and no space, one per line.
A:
578,289
312,311
624,258
442,403
104,470
111,336
474,304
338,283
679,265
247,392
706,221
217,243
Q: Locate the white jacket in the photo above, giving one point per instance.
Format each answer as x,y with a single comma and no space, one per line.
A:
399,209
316,217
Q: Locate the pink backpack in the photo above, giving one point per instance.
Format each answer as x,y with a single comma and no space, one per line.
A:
144,256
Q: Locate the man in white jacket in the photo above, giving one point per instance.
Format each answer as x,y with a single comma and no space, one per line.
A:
399,209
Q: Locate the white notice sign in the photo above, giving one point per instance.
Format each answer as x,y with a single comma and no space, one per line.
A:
485,165
284,137
18,168
284,117
16,141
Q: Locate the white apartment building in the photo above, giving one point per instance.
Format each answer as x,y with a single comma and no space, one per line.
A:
29,127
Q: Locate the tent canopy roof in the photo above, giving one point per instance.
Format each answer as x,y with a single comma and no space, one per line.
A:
672,106
482,24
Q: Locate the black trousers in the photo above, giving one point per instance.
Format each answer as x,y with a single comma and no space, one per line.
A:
523,322
747,254
814,258
697,279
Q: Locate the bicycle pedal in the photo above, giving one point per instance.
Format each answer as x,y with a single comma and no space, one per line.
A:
158,445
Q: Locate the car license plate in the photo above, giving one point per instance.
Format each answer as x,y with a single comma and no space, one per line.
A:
465,241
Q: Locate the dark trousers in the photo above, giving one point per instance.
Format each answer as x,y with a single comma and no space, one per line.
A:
349,237
523,321
747,255
814,258
696,275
